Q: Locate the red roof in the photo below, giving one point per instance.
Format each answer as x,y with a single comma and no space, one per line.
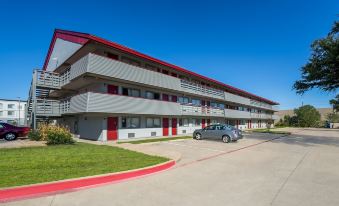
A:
83,38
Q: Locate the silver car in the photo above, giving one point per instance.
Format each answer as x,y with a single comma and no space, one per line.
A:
226,133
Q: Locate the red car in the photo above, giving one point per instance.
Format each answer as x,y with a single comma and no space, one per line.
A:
11,132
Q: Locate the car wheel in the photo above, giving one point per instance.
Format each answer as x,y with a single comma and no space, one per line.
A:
198,136
10,136
226,139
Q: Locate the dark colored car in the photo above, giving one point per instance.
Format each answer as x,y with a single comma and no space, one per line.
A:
10,132
226,133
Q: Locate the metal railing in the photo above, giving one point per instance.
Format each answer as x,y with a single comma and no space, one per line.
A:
47,79
47,107
201,110
201,89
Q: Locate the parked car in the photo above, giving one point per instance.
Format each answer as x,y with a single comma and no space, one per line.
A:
226,133
10,132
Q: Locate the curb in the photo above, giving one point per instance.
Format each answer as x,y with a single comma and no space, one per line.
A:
44,189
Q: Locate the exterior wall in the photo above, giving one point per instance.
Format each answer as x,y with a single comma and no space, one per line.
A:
61,51
92,128
18,116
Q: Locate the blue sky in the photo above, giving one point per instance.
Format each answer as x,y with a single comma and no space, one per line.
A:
258,46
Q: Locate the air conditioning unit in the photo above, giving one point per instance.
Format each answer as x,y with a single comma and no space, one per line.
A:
184,131
131,135
153,134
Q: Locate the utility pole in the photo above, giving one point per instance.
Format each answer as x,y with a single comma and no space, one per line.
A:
19,110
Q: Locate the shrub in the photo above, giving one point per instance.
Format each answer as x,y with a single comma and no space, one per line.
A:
59,135
53,134
34,135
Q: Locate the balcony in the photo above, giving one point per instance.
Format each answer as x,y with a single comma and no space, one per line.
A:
107,103
201,111
47,79
230,113
199,89
47,107
236,99
104,66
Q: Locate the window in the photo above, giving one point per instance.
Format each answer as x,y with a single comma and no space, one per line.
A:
214,104
11,106
130,122
1,113
221,106
10,113
130,61
152,68
183,100
211,127
153,122
152,95
1,106
196,122
131,92
183,122
1,126
196,102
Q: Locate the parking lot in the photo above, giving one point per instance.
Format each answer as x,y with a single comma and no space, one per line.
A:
261,169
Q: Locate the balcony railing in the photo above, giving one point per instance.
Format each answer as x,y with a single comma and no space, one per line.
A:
47,107
47,79
201,89
202,111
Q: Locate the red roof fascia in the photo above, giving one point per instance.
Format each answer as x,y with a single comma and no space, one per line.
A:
84,37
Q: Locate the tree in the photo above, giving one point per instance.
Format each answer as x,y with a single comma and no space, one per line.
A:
322,69
335,103
333,118
307,116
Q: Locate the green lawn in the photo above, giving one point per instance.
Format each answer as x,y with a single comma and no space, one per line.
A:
21,166
155,140
269,131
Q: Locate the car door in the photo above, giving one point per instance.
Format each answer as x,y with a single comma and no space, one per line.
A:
209,131
217,134
2,130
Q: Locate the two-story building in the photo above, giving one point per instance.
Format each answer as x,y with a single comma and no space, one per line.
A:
105,91
12,111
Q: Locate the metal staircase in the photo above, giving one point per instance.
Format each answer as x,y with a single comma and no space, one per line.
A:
40,106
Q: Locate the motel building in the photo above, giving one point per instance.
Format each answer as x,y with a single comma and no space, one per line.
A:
105,91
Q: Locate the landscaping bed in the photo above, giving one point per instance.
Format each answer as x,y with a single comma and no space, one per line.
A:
22,166
270,131
155,140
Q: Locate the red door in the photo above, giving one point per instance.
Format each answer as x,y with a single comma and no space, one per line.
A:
112,128
165,126
203,123
112,89
174,98
165,97
174,126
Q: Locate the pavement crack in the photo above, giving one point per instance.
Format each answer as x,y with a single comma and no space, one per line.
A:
287,179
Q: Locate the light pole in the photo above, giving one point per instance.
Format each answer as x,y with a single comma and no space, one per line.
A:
19,111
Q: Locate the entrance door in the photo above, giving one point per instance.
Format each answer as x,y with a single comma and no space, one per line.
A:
112,89
165,126
174,126
208,122
112,128
203,123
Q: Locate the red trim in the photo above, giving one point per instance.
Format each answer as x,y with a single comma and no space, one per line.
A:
71,185
165,125
136,53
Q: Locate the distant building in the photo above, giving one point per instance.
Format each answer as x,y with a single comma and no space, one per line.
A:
323,112
12,111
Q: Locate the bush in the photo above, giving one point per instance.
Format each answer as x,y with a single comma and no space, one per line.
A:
34,135
53,134
59,135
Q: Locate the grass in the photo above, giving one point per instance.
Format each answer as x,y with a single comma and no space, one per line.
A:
22,166
269,131
156,140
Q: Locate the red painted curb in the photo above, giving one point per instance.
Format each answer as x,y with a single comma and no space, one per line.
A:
72,185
